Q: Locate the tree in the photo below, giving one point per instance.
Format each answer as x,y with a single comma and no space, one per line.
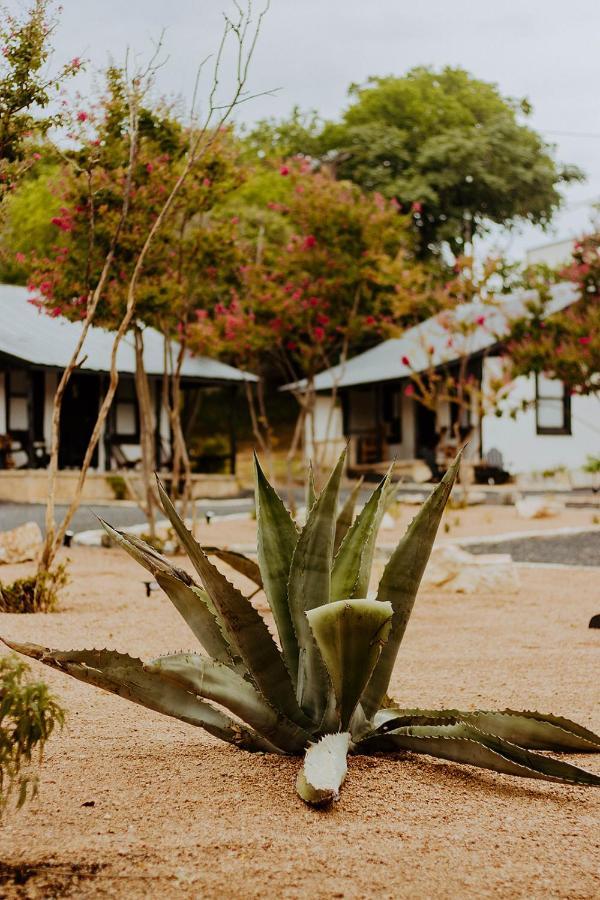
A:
564,344
335,276
26,89
449,147
243,29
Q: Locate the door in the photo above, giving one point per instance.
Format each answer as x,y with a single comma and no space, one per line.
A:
79,412
426,437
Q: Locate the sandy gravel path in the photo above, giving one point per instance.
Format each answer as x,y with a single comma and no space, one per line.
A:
176,814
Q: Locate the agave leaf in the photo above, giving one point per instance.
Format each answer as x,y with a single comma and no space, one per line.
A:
247,631
400,582
325,767
214,681
190,601
195,606
277,537
461,742
350,635
533,730
311,491
124,675
346,515
309,586
144,554
352,565
242,564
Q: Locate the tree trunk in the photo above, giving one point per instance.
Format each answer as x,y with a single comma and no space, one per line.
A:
147,433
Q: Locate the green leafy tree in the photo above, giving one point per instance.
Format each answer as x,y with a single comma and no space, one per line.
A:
26,89
449,147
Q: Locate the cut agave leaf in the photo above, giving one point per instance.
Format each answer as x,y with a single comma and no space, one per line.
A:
277,537
308,587
247,631
401,579
324,770
242,564
350,635
533,730
144,554
214,681
352,565
461,742
346,515
125,675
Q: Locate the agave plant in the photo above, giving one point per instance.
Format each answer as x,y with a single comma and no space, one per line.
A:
321,689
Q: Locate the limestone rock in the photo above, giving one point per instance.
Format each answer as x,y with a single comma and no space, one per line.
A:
538,508
453,569
20,544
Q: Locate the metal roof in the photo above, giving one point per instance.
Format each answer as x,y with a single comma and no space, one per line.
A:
433,343
36,338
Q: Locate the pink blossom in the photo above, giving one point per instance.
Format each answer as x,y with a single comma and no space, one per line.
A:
585,340
409,390
20,257
417,207
284,170
405,361
322,319
370,320
480,320
82,116
319,333
309,241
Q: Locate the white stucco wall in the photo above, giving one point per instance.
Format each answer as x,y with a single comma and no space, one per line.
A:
2,404
523,450
328,430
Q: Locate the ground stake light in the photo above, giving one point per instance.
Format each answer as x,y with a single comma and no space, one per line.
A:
323,690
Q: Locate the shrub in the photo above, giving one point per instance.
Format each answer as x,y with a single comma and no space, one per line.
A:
28,716
34,593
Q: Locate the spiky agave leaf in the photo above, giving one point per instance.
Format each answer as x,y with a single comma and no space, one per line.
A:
309,586
350,635
325,767
401,579
532,730
247,631
311,491
346,515
239,562
353,562
464,743
191,602
277,537
125,675
214,681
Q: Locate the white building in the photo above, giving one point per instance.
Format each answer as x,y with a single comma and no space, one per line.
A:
365,402
34,350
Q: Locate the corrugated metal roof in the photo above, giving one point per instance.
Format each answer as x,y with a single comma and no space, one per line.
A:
427,345
41,340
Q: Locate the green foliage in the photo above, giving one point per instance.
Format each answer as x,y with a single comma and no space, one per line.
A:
592,465
566,344
118,486
34,593
446,145
324,688
28,716
26,88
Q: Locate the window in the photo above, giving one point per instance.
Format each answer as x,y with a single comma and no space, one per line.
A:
18,400
126,412
552,406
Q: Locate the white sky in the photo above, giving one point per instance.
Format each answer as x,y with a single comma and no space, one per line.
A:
546,50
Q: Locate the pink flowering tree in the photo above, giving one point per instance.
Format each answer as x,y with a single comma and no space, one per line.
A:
337,275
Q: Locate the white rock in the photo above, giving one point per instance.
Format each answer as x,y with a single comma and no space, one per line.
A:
20,544
452,568
538,508
388,522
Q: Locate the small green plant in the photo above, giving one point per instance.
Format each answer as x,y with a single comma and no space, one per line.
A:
118,486
323,690
28,716
592,465
34,593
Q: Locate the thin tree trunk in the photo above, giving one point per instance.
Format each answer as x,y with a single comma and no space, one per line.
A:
147,432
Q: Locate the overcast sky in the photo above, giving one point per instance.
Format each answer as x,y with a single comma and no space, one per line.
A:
545,50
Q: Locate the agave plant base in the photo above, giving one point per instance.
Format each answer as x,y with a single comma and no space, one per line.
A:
322,689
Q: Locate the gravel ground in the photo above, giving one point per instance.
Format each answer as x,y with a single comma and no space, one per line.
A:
135,805
567,549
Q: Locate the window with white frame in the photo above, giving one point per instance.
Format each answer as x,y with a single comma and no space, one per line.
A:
552,406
